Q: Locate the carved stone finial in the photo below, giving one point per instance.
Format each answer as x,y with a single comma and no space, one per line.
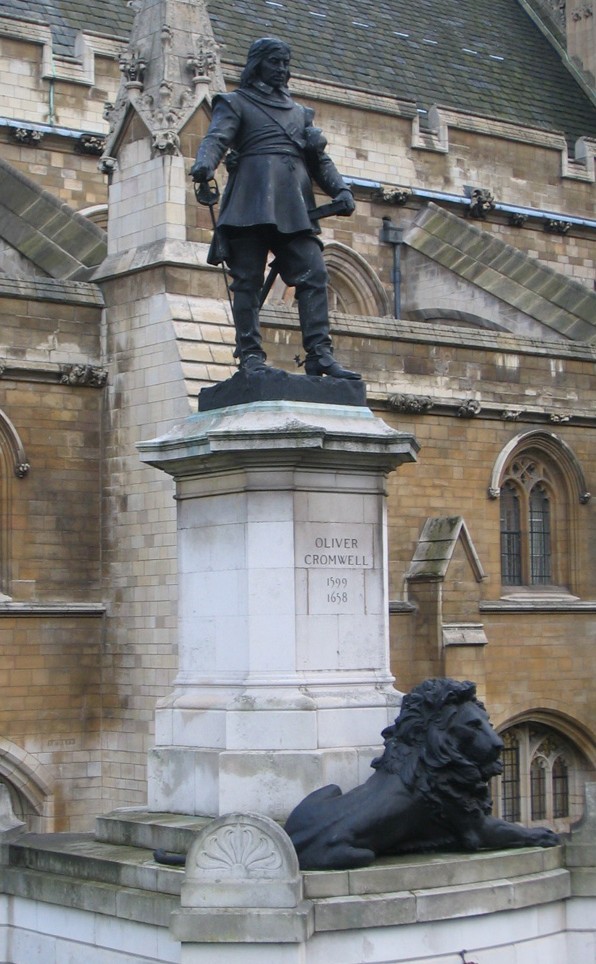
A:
166,71
202,62
133,64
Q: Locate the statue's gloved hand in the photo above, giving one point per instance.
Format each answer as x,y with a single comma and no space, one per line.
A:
347,197
201,172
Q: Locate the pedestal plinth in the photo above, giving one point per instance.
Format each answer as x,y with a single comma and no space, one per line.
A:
284,681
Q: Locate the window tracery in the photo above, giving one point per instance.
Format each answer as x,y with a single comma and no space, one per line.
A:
543,777
528,505
541,486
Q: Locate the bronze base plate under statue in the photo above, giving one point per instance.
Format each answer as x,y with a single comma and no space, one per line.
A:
274,385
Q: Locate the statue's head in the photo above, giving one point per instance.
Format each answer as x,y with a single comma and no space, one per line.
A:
268,60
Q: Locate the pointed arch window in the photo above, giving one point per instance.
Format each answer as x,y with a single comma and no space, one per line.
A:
541,485
530,499
510,536
538,789
543,777
560,774
539,535
510,782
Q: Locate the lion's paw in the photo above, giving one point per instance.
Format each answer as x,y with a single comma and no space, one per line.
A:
543,837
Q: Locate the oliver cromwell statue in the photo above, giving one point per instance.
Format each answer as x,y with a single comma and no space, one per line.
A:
275,154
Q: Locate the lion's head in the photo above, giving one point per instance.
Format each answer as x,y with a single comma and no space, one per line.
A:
443,745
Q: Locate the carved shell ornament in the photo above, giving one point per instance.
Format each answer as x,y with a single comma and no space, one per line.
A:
239,851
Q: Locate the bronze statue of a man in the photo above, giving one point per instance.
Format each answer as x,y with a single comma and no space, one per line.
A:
275,154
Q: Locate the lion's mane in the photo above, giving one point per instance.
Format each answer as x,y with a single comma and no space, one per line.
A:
420,748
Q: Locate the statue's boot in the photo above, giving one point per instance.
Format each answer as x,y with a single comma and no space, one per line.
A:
253,363
248,336
314,321
327,365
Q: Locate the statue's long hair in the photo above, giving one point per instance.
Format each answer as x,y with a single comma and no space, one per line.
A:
257,51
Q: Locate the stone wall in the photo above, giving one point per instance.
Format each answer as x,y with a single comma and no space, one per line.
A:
51,617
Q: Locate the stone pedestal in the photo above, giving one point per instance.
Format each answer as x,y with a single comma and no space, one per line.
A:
284,681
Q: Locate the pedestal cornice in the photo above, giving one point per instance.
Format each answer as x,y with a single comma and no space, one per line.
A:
278,434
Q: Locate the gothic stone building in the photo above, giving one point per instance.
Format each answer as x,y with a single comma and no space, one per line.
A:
462,288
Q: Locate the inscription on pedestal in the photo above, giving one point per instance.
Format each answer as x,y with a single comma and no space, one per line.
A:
335,557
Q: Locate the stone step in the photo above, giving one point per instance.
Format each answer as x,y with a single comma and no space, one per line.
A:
124,857
80,871
440,902
82,857
112,900
423,871
139,827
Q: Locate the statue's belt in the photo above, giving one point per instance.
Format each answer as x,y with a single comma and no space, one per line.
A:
269,150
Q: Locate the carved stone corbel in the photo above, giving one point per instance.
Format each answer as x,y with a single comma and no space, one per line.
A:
90,144
25,135
517,220
108,165
166,142
482,203
411,404
557,418
470,408
556,226
398,195
88,375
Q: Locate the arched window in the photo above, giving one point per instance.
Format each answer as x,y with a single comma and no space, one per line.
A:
511,574
540,484
29,787
527,496
353,289
510,783
543,777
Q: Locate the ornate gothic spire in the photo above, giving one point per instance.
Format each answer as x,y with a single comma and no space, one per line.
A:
171,65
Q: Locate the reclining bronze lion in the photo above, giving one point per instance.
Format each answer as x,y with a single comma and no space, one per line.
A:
429,790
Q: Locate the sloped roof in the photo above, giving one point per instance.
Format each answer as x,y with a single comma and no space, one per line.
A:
560,303
67,17
483,57
47,232
435,548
